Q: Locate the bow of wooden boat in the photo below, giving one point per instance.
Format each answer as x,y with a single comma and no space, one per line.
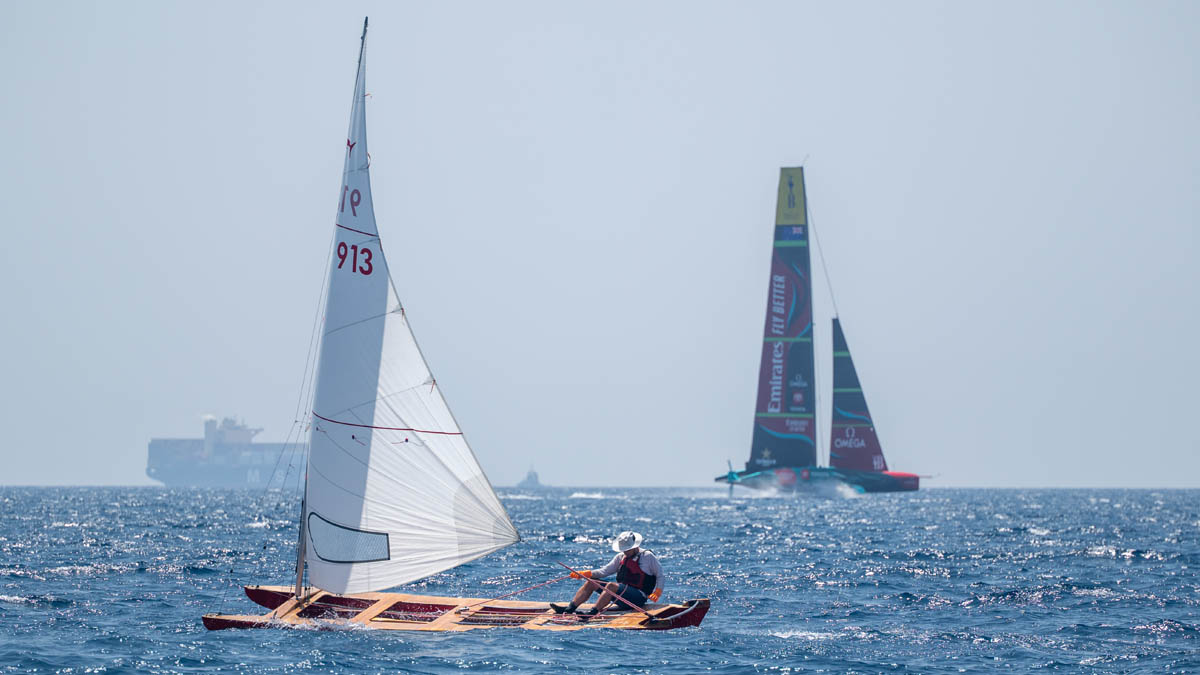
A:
224,621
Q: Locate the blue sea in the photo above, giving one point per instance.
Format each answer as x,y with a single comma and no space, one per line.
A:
943,580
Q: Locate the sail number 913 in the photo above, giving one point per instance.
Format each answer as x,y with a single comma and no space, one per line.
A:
353,252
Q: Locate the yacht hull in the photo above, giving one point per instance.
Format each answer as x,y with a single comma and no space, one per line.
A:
814,478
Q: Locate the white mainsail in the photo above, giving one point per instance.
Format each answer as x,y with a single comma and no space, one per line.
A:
393,492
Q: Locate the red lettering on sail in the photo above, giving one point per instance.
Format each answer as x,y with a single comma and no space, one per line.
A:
352,252
355,200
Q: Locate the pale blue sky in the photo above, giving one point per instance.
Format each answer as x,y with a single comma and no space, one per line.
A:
577,204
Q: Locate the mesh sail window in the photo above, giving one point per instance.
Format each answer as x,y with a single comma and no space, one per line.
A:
338,544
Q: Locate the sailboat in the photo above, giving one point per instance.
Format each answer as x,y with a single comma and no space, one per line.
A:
783,450
393,492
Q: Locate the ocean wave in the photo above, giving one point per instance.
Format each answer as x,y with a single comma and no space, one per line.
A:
41,600
270,524
16,599
881,582
804,635
1168,626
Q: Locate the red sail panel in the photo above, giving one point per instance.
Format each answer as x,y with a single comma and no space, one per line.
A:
853,443
784,429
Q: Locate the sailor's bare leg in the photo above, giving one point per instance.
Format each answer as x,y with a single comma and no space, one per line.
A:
584,592
610,591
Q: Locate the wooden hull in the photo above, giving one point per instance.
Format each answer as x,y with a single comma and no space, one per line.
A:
404,611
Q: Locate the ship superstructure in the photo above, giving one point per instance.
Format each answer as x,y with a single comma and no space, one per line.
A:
227,456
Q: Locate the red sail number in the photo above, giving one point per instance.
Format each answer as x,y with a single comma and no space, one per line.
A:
353,251
355,200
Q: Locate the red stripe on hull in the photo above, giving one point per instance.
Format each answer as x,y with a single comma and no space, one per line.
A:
908,481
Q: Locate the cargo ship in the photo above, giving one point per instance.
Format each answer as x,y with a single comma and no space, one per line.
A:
227,456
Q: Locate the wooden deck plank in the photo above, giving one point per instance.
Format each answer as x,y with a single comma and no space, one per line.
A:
374,610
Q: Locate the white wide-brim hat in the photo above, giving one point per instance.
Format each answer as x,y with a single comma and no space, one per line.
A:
627,540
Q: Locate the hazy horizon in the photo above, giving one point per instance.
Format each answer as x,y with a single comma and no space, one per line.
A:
716,488
577,206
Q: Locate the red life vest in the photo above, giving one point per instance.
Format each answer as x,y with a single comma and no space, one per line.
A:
631,574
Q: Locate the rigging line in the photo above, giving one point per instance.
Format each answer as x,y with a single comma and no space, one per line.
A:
385,397
817,406
355,323
313,343
392,282
288,447
820,253
267,488
278,459
460,610
833,301
296,450
292,442
294,446
302,477
617,597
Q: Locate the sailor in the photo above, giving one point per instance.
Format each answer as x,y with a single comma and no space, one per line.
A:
639,578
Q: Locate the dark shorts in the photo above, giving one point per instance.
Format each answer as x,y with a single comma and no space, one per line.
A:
631,594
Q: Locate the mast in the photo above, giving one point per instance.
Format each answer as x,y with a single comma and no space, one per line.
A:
362,47
832,300
811,291
300,549
300,543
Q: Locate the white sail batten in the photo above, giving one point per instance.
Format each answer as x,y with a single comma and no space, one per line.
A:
394,492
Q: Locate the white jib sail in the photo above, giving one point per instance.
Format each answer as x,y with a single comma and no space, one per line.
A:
394,493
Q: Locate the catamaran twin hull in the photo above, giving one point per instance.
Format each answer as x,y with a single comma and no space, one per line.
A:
403,611
800,479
